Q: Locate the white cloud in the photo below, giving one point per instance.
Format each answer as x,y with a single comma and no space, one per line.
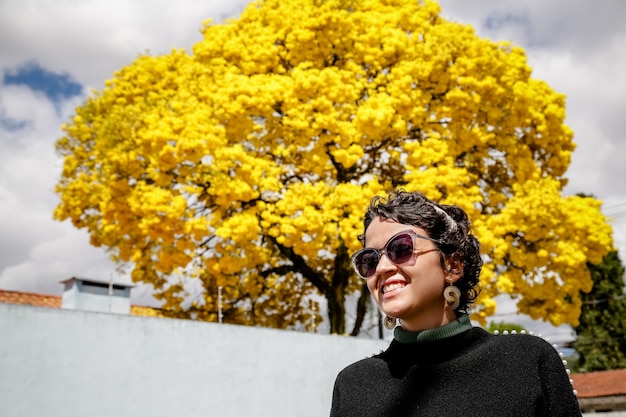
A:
62,256
93,38
27,173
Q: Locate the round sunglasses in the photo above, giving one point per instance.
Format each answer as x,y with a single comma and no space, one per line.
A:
399,249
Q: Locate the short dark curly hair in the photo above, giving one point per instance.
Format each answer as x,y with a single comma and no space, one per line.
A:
447,224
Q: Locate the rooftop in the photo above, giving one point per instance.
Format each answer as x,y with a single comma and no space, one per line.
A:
54,301
31,299
600,384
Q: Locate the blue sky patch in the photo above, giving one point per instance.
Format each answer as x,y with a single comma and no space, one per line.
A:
11,125
496,21
55,86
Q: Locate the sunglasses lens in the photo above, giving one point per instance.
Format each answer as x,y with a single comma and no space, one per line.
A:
365,262
400,248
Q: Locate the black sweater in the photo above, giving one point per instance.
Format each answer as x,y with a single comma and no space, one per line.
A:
473,373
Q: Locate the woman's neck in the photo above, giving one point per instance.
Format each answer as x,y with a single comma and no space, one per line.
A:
459,325
432,321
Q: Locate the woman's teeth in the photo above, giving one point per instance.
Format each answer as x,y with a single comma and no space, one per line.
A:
392,287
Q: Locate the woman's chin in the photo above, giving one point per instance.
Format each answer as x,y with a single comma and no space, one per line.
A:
396,312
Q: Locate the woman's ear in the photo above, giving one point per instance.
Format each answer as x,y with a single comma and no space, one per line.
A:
455,269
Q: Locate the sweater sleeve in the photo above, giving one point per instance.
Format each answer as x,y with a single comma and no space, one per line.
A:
557,387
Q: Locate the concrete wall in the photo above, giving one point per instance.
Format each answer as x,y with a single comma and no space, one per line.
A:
56,362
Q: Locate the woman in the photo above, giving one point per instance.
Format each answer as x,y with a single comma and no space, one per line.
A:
422,265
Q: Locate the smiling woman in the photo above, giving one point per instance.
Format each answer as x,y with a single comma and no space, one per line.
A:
422,263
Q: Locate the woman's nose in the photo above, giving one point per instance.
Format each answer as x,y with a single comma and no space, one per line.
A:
384,264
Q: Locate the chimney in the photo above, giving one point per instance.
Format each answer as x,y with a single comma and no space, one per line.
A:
93,295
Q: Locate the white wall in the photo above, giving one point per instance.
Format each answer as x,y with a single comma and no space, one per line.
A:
56,362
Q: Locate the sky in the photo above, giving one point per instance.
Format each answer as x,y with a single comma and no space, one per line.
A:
54,53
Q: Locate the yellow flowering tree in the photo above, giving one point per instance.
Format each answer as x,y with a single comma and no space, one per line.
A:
246,165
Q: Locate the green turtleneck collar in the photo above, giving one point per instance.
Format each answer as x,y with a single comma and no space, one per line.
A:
458,326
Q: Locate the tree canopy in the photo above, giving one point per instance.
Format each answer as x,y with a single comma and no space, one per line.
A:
247,163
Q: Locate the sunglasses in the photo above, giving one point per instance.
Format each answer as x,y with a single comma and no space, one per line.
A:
399,249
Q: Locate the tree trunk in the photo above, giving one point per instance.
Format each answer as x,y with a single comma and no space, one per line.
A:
361,310
336,294
336,310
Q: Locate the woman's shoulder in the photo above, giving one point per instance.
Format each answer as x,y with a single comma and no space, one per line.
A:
367,363
524,337
526,343
363,368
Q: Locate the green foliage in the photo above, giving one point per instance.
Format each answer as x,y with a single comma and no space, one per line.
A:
573,362
502,326
601,335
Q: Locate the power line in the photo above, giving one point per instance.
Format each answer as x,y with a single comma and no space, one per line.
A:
612,206
597,340
604,300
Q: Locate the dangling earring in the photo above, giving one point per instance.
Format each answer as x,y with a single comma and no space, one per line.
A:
453,296
389,322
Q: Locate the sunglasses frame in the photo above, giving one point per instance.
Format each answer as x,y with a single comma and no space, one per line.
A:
382,251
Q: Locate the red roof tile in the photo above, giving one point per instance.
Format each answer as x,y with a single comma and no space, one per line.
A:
600,384
29,298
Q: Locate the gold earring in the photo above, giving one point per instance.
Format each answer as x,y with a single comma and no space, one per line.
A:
452,295
389,322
